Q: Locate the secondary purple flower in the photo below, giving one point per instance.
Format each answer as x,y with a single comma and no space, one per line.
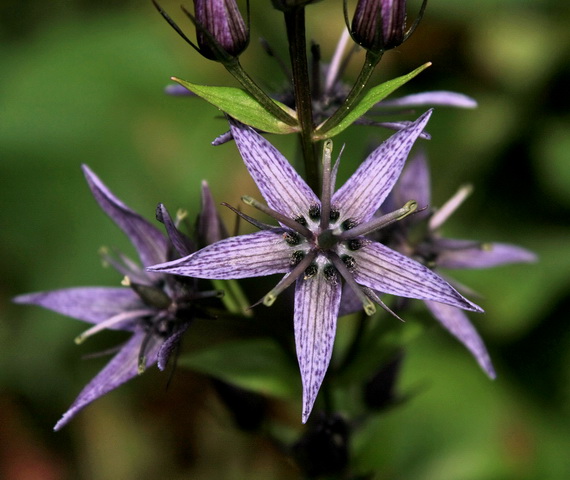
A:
435,251
156,308
320,242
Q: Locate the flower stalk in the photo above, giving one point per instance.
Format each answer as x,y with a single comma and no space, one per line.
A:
295,24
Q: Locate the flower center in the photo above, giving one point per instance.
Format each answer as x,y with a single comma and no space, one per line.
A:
327,240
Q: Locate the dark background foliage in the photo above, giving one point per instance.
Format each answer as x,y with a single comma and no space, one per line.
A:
82,83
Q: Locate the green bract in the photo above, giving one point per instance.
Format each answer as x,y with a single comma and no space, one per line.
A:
240,105
371,98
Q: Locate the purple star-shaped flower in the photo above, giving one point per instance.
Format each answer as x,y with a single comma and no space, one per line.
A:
156,308
319,242
435,251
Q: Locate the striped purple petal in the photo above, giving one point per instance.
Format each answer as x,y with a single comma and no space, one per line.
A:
210,226
468,254
366,189
316,308
435,98
148,240
413,184
122,367
282,187
381,268
457,323
90,304
257,254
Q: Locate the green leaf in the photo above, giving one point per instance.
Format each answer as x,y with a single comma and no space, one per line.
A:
371,98
259,365
242,106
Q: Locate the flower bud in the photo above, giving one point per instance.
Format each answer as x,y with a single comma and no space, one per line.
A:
220,26
380,25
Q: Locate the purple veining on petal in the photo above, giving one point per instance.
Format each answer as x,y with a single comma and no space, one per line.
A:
256,254
316,309
366,189
464,254
150,243
210,227
281,186
385,270
179,241
90,304
413,184
122,367
456,322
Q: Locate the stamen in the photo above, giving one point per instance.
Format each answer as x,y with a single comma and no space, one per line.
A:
381,222
368,305
289,222
288,279
445,211
372,294
326,190
112,321
334,172
142,357
181,214
247,218
123,264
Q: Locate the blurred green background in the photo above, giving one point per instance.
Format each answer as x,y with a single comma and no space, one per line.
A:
82,82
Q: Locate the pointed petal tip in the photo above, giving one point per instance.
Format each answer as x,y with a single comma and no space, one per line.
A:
65,419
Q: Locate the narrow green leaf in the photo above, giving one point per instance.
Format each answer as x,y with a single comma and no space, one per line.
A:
371,98
242,106
259,365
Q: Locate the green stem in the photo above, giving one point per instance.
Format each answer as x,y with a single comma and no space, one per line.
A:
256,92
295,24
370,62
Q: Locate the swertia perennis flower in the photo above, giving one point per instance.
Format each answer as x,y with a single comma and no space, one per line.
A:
156,308
418,237
319,242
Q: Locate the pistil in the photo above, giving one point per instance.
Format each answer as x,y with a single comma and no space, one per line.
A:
111,322
380,222
289,222
288,279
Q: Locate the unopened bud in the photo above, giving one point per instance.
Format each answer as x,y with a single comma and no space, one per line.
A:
380,25
220,26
